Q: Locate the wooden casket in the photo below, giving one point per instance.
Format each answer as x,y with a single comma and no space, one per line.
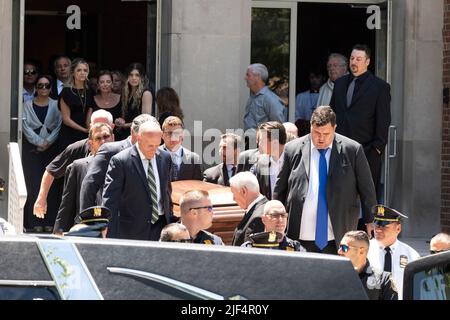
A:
227,214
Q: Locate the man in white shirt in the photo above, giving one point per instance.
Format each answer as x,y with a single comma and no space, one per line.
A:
386,252
337,66
245,189
272,138
62,70
186,164
322,176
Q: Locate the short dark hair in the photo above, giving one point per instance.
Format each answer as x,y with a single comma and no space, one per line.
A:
275,129
363,47
358,235
234,137
322,116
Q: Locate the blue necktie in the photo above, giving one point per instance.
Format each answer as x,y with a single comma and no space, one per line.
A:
322,207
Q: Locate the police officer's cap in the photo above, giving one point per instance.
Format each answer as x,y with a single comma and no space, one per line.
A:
90,231
270,239
384,215
94,215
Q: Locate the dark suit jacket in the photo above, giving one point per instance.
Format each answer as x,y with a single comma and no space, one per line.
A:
70,204
218,175
368,117
190,168
96,172
261,170
247,159
127,191
250,223
348,176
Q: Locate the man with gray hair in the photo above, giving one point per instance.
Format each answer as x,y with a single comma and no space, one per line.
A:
175,232
138,185
440,243
245,189
337,66
263,105
95,176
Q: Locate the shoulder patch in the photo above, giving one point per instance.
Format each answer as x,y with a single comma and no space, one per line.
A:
403,261
207,242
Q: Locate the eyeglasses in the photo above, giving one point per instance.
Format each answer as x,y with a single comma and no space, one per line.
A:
175,134
43,86
345,247
278,215
210,208
181,240
103,137
29,72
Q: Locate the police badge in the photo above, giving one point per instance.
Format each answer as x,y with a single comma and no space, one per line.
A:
403,261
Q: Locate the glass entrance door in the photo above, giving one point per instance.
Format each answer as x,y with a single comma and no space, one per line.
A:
273,43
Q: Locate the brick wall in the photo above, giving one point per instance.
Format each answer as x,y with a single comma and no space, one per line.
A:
445,212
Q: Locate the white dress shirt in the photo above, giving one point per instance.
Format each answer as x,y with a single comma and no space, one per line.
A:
230,170
274,169
253,203
309,213
59,86
401,254
177,156
145,163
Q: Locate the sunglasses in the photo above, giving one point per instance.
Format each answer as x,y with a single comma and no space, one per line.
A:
345,248
181,240
29,72
43,86
103,137
278,215
210,208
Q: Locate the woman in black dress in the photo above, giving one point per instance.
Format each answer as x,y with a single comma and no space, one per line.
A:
136,99
74,103
105,98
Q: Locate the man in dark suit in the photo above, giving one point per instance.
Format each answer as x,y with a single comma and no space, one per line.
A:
323,174
99,133
186,164
95,176
361,102
138,188
61,68
272,138
245,189
229,153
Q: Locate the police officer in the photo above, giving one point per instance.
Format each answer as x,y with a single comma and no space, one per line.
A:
386,252
91,222
197,215
274,219
378,284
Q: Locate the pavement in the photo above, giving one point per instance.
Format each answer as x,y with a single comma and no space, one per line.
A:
421,245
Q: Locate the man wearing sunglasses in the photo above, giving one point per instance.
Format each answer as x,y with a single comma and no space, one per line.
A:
274,236
379,285
386,252
99,133
30,74
197,215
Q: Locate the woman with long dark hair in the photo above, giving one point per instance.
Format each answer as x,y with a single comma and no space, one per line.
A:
136,99
41,126
168,104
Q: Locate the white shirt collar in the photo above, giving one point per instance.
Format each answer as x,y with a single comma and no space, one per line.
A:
250,206
142,156
392,246
314,147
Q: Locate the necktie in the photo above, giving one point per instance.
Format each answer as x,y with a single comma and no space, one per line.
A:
322,207
154,196
350,90
233,171
387,260
175,168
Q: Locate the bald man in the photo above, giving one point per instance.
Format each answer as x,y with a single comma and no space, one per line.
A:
138,185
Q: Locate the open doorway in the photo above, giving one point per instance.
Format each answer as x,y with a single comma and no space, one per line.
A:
113,33
325,28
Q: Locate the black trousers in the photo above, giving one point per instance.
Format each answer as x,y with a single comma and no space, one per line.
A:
310,246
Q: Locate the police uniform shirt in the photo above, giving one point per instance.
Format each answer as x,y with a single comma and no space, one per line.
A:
206,237
379,285
401,253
